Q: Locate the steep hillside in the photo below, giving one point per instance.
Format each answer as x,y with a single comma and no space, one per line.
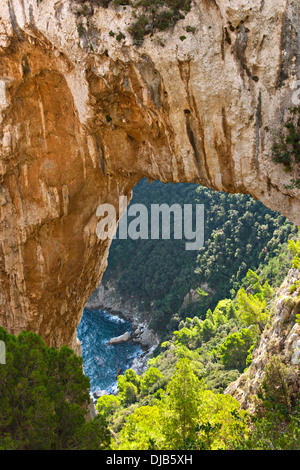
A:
229,381
156,281
280,338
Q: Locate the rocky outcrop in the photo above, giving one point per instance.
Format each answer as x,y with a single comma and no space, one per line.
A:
120,339
106,297
139,364
85,116
281,338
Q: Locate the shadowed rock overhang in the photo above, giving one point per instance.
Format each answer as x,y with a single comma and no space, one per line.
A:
85,113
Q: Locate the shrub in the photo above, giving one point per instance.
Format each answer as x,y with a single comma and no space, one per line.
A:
286,148
157,15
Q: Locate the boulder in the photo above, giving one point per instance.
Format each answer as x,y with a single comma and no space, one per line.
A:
120,339
100,393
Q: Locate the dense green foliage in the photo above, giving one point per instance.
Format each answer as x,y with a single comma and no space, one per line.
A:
235,349
240,234
294,247
184,415
219,345
178,402
189,416
44,398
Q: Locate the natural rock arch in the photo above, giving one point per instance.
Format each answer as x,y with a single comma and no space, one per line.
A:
81,125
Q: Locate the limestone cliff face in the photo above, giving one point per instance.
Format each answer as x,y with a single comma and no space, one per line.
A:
280,338
84,117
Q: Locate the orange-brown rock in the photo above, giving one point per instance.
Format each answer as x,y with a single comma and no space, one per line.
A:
83,117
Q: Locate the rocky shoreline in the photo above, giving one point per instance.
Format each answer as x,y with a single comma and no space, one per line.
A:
106,298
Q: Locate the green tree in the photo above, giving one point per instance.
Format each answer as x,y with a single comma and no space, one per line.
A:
142,430
275,382
208,330
294,247
92,435
252,309
234,351
183,336
132,377
44,398
107,405
129,386
181,414
151,377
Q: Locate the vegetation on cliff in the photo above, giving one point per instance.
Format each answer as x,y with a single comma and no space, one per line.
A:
149,16
286,146
240,234
44,398
179,401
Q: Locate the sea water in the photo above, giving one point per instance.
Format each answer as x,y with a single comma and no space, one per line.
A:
100,361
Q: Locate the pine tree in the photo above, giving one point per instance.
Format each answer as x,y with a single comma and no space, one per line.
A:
181,416
44,398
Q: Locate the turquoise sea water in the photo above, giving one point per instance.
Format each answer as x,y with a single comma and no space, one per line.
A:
101,362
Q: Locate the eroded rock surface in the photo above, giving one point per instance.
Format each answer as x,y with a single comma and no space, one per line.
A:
84,117
120,339
281,338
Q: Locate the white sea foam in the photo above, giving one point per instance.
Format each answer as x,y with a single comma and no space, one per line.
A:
113,318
